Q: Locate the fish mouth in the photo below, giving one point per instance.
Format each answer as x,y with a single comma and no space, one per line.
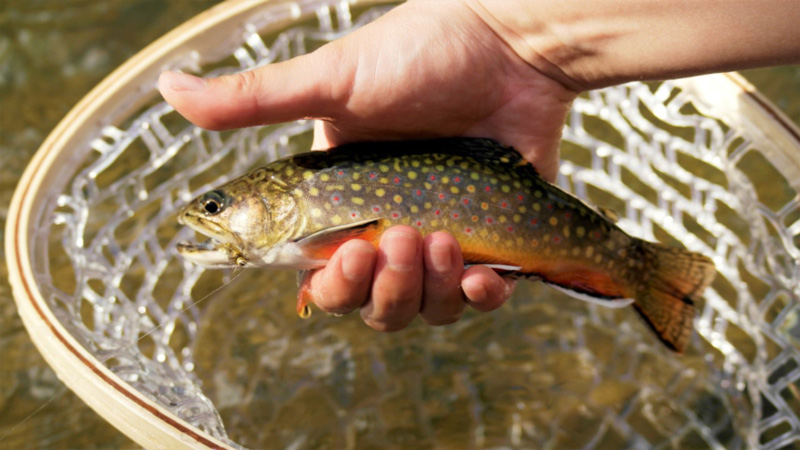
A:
219,251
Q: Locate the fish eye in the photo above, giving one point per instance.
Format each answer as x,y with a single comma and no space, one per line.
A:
213,202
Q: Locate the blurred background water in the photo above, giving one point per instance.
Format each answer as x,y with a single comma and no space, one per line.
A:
52,52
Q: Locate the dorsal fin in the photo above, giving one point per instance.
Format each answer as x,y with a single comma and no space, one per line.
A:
608,213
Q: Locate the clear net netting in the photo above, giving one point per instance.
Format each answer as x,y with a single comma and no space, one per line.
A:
545,370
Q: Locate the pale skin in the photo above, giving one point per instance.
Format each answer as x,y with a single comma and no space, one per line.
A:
504,69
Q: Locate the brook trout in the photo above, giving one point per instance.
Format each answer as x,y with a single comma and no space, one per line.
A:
295,212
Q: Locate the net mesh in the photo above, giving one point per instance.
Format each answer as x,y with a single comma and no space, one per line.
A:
543,370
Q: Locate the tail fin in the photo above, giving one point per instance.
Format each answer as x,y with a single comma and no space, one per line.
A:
666,289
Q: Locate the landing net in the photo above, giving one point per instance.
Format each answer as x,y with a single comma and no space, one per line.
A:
544,370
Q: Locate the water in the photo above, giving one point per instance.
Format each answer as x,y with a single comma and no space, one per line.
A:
50,56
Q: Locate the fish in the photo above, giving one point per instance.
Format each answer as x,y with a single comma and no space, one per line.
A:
295,212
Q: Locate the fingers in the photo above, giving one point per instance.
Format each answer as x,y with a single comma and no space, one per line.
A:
486,290
344,284
307,86
397,286
442,299
406,276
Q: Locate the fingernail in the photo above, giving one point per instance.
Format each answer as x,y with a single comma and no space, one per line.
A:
178,81
401,249
441,258
354,264
511,284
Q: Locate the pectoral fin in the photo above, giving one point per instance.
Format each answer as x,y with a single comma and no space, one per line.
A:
323,243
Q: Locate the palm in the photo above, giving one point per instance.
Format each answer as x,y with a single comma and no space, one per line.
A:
415,78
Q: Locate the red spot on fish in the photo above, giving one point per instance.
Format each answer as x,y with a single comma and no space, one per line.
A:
372,176
468,230
419,192
432,178
489,220
441,196
535,243
340,173
455,215
466,201
376,208
336,198
596,235
556,239
534,221
567,215
510,229
353,215
475,218
520,197
457,179
396,180
419,223
437,212
488,188
395,215
504,204
549,206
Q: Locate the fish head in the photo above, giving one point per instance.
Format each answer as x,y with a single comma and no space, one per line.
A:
243,221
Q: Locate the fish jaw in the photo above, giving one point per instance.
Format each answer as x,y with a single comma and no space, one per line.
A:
212,254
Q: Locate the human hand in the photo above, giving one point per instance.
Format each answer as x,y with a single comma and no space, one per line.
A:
426,69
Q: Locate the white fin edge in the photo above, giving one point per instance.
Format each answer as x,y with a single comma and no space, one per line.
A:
500,267
605,302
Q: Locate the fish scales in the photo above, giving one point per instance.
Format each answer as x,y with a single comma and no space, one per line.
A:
297,211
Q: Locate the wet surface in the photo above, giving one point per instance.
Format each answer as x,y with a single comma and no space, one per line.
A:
51,54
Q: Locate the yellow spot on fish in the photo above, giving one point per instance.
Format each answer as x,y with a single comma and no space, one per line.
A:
444,179
384,180
484,232
520,241
357,200
534,243
316,212
576,251
470,188
355,187
380,192
566,231
504,159
398,198
546,238
324,177
589,251
517,218
356,175
580,231
537,207
313,191
428,186
427,205
336,220
505,188
440,168
538,194
475,176
414,209
484,206
563,252
598,258
454,189
289,171
412,175
434,223
297,192
522,209
308,174
553,221
502,219
383,168
428,161
517,185
495,237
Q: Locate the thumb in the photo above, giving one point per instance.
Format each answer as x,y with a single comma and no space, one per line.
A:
309,86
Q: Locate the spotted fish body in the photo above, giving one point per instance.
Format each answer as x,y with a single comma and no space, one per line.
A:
295,213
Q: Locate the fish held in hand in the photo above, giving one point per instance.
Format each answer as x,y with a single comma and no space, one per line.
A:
295,213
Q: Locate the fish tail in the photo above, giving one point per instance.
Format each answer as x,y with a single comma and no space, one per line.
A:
670,282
